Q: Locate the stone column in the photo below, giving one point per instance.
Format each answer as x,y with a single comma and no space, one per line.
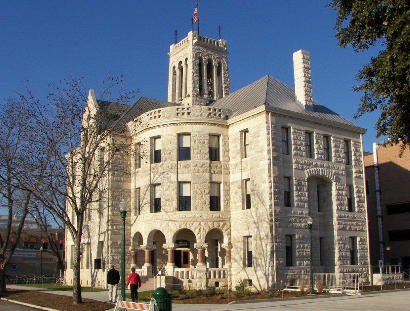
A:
201,282
185,89
147,259
171,261
133,253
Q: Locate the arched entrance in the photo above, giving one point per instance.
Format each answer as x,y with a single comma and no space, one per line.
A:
185,255
158,257
137,254
321,210
216,254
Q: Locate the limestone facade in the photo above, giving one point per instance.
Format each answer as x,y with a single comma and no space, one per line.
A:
220,188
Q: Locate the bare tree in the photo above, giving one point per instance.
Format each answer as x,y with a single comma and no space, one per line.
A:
81,139
16,123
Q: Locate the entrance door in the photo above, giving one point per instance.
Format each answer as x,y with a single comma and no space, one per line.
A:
185,258
181,258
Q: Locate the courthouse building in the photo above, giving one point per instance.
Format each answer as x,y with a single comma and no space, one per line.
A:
221,187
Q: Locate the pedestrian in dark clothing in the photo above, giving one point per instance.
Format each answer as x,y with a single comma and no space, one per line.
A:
113,278
134,281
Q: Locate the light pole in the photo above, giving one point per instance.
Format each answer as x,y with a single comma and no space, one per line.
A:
41,264
310,225
123,213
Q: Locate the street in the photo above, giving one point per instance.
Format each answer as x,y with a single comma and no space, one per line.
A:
385,301
8,306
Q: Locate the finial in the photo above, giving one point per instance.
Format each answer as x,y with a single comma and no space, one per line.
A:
176,36
219,32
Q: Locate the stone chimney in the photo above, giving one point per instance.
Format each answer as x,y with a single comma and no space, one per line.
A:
303,77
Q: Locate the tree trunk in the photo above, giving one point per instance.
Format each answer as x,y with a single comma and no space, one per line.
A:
76,271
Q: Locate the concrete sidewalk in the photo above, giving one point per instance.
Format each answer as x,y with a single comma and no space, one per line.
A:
99,296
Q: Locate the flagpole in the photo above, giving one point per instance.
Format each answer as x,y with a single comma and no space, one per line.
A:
197,5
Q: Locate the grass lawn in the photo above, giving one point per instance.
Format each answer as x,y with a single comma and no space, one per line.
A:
61,287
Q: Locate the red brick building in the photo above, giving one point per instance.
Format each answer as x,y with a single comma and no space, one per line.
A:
388,205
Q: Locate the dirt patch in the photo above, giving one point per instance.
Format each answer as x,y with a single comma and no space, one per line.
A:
58,302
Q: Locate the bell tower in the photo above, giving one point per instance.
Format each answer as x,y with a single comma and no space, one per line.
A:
198,70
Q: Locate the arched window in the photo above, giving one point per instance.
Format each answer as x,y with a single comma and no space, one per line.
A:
201,75
174,82
180,80
219,91
185,78
210,79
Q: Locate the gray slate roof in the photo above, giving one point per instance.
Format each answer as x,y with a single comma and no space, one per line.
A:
273,94
267,91
118,115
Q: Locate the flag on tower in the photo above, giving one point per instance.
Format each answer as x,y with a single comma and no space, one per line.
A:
195,17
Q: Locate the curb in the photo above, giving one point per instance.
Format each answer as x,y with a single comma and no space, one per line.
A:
28,305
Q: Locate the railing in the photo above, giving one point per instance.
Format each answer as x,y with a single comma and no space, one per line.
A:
185,273
217,273
34,279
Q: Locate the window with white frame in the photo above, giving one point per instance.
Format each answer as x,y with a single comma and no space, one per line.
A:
184,202
348,151
285,140
215,196
244,143
246,194
156,149
247,247
137,155
353,250
327,148
350,198
184,147
137,201
155,198
214,148
309,145
287,191
290,250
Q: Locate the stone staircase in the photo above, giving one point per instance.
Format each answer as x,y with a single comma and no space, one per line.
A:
147,284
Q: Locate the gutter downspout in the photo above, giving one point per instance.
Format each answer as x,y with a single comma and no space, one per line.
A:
272,200
378,206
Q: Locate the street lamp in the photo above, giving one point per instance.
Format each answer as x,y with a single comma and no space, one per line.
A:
41,264
123,213
310,225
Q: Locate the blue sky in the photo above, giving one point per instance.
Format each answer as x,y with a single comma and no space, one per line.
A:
45,41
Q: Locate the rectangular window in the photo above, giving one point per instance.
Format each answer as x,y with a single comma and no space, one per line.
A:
184,147
398,208
350,198
184,203
244,143
286,191
290,260
308,145
137,201
155,198
137,155
285,140
246,194
318,197
215,196
353,250
322,251
156,146
214,148
327,148
247,247
348,151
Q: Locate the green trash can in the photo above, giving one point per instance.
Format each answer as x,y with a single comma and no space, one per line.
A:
163,299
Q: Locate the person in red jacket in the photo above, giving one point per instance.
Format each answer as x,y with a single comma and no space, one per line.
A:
134,281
